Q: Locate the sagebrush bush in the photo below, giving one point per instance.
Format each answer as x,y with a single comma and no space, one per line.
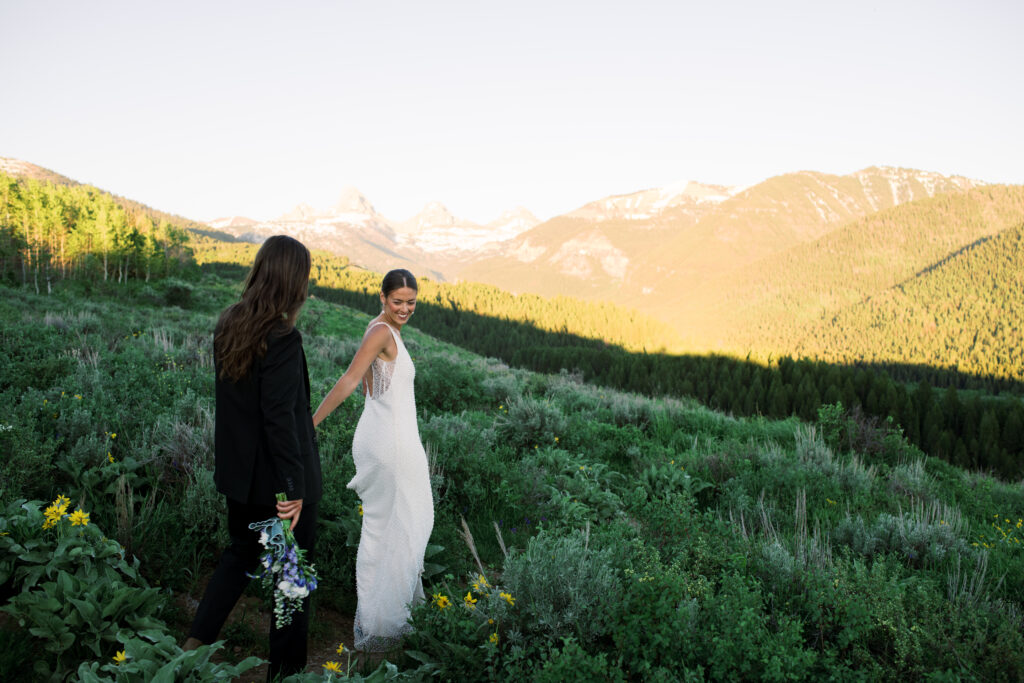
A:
849,472
927,535
531,422
562,586
911,479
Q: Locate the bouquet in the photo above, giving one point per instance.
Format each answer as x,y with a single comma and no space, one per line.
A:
285,570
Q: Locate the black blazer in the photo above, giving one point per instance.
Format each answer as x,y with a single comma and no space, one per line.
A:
264,442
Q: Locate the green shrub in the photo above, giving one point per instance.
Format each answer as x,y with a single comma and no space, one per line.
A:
747,644
571,662
153,655
445,383
74,590
655,619
177,292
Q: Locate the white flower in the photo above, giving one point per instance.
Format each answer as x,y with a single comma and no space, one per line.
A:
284,587
264,538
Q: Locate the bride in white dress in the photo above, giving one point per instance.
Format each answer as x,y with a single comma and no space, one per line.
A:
392,476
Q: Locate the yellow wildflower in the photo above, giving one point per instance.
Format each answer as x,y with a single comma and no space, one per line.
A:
333,667
360,509
469,600
114,435
120,657
494,638
556,439
442,601
55,511
507,597
110,456
490,621
341,648
483,581
79,518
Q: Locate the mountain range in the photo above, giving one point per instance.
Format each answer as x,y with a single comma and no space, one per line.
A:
885,264
431,241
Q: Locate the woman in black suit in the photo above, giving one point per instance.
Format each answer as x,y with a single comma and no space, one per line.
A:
264,441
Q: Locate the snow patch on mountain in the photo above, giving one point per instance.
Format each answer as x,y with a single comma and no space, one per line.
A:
581,255
231,222
435,229
648,204
900,185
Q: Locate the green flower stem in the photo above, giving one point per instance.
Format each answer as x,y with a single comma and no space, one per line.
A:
286,524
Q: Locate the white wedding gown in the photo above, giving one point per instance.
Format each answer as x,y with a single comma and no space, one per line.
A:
393,482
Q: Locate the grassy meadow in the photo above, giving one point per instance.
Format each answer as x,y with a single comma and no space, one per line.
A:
581,533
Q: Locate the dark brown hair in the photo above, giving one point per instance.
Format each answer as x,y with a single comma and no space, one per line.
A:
271,299
396,279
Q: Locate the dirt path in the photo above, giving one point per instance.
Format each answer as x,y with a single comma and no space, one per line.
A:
248,625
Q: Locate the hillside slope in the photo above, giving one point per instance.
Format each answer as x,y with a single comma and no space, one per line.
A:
677,541
769,304
962,313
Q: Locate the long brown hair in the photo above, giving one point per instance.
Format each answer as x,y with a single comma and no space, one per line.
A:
272,296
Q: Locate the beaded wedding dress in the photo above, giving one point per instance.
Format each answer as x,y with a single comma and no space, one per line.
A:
393,481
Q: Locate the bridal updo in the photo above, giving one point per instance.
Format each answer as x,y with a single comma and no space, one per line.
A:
396,279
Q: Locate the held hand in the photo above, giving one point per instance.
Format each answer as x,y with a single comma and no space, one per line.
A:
290,510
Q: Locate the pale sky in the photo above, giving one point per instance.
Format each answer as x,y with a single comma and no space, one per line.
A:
210,108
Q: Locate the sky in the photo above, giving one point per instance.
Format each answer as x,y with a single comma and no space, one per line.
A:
210,109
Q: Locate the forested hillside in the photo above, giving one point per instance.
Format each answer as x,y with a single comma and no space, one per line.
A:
964,313
769,306
50,232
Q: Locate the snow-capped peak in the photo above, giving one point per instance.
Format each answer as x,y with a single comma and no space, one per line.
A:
514,221
231,222
352,200
431,217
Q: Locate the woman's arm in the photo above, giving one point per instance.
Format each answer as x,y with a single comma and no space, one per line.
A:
375,341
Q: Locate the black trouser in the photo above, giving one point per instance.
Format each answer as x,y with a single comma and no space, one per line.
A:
288,644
